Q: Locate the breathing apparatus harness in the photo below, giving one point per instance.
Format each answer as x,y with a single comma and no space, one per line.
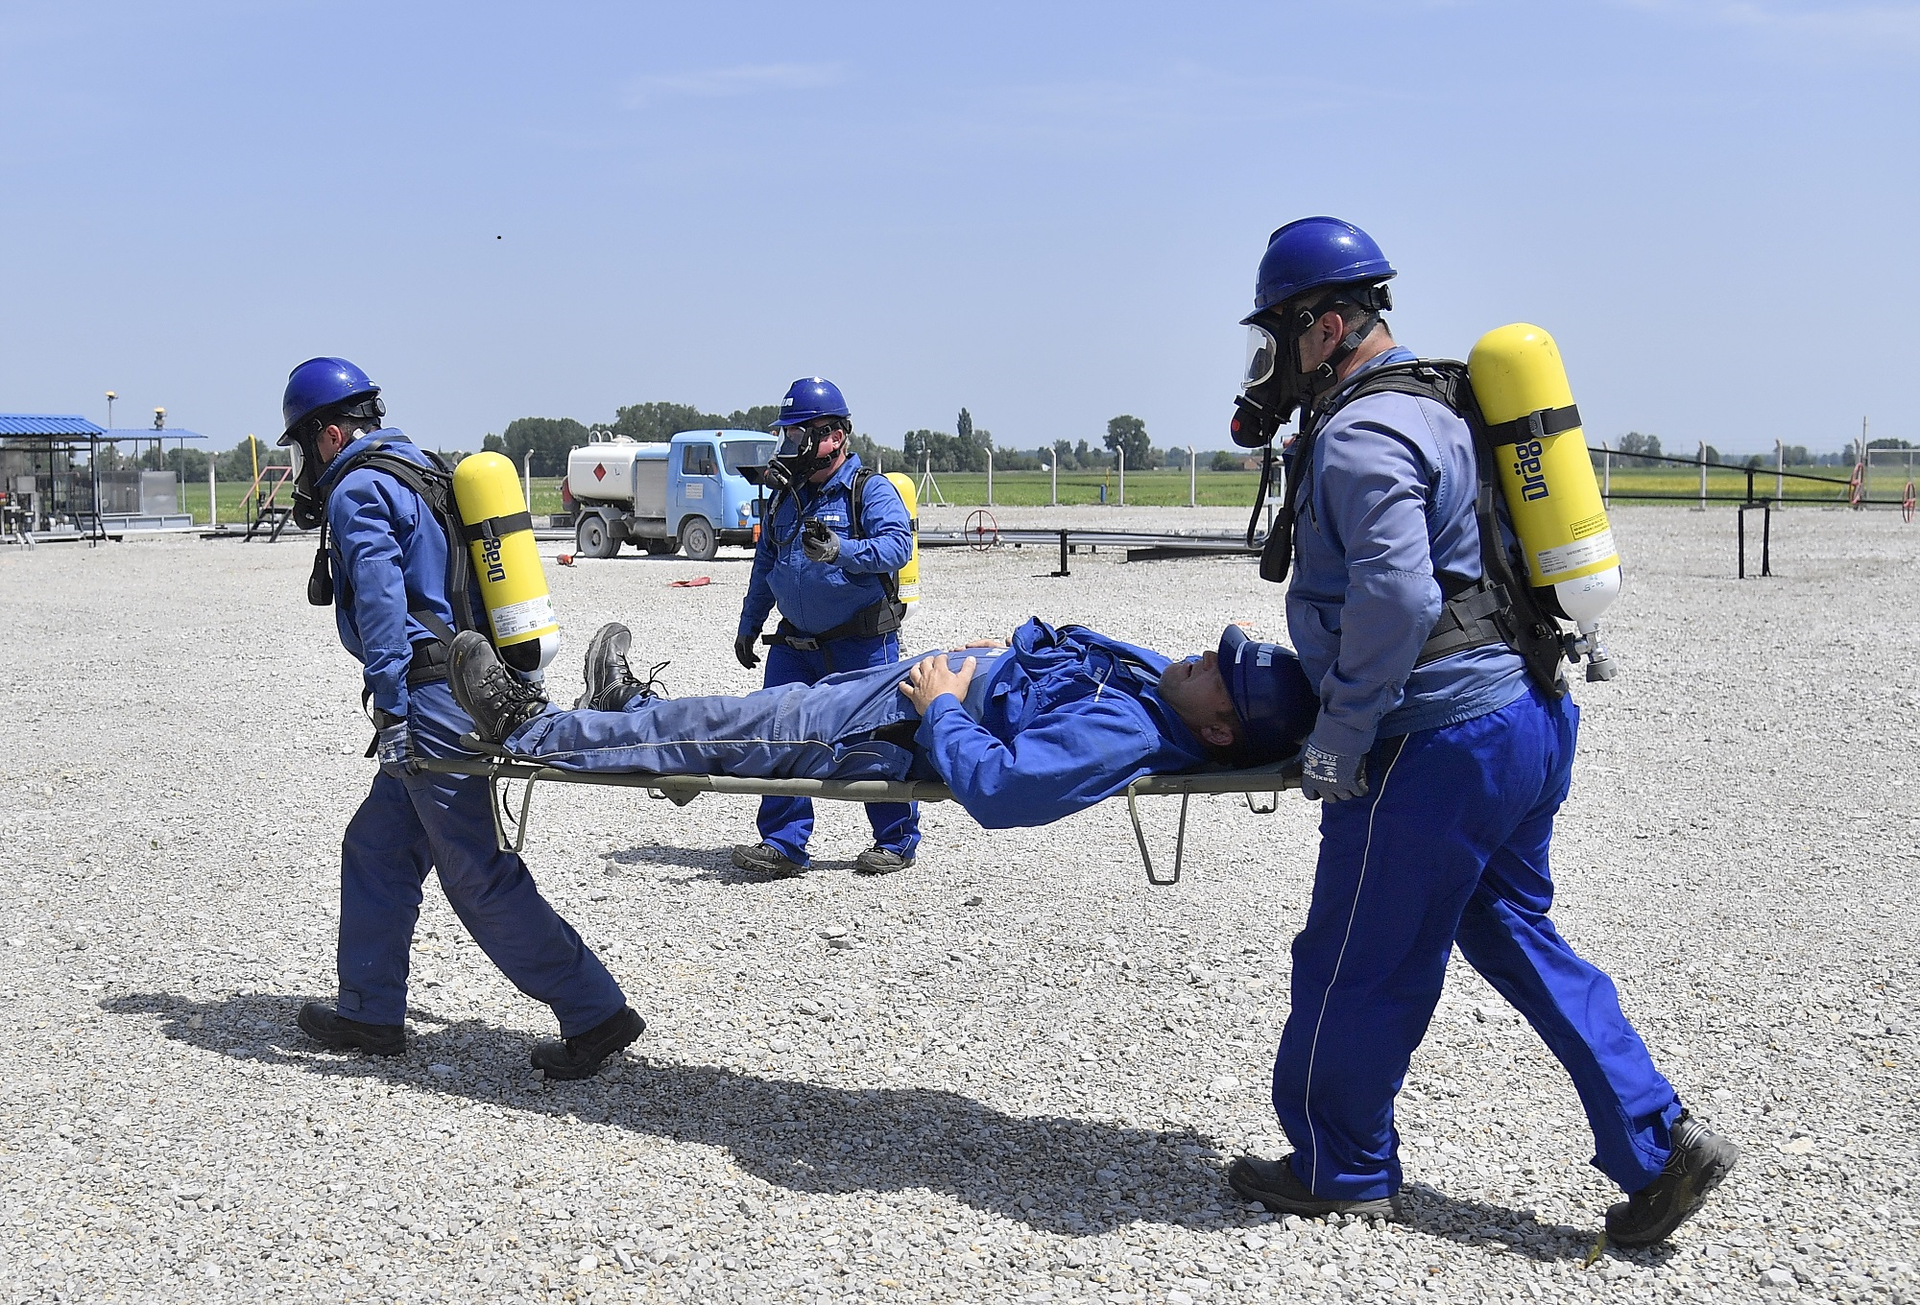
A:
433,482
1501,607
883,617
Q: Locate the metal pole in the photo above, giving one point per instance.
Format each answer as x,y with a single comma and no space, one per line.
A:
1606,474
1122,453
1053,490
1193,479
1779,471
1740,513
989,477
213,493
1703,475
526,479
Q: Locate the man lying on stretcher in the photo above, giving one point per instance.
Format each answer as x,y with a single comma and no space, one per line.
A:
1058,720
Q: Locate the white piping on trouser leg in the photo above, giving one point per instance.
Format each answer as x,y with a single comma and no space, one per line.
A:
1313,1048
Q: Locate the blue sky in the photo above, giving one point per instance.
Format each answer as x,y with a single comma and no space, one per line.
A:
1048,213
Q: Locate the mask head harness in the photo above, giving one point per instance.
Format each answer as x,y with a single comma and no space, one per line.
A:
1273,387
303,442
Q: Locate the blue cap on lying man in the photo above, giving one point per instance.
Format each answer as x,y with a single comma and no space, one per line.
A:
1271,695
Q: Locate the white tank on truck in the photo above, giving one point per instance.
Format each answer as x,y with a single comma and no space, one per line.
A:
686,493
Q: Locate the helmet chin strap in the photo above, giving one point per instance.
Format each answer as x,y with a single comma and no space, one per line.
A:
1323,378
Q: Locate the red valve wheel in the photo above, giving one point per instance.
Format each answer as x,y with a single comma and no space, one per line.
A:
982,531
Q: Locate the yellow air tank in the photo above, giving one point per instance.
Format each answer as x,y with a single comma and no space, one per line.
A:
506,563
1547,479
910,573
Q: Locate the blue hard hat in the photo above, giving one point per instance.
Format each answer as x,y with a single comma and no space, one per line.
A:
1313,252
808,398
320,383
1271,695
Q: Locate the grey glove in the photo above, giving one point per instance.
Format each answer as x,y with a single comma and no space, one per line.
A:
743,651
1330,776
393,746
818,541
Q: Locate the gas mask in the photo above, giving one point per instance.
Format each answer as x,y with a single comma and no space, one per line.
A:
1272,386
791,469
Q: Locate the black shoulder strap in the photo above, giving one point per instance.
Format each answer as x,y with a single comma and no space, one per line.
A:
889,580
433,482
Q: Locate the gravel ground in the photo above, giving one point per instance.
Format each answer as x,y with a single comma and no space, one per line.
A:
1012,1073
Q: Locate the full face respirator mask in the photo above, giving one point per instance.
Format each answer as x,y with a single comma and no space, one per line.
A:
1272,386
793,467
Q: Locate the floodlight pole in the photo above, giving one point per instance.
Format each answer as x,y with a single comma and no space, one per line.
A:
111,396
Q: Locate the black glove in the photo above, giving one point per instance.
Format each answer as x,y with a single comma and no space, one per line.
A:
743,651
393,745
818,541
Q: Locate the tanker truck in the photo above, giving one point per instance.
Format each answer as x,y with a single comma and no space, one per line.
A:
686,494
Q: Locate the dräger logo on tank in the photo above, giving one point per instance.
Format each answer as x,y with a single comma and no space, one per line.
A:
490,554
1526,465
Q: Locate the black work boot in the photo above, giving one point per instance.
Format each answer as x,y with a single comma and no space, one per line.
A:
766,859
580,1057
1274,1184
336,1032
877,860
611,683
1700,1162
499,701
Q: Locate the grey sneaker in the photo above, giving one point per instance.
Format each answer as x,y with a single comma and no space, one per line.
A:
766,859
499,701
878,860
610,682
1700,1162
1274,1184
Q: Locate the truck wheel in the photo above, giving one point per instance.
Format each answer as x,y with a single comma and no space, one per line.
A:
698,539
594,539
661,547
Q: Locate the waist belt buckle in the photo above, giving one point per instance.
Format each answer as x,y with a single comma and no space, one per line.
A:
801,643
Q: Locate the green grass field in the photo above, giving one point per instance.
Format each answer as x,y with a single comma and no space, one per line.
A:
1215,488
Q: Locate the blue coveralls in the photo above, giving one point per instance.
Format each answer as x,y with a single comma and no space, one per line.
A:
816,597
1467,763
1060,720
388,557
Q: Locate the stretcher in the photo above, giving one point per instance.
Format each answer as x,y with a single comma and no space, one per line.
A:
1261,785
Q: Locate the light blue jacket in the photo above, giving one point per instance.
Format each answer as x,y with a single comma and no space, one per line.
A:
818,596
1385,515
388,556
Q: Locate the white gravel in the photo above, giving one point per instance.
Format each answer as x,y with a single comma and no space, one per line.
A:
1011,1073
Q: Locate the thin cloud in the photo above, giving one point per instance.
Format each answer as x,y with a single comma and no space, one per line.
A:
1878,26
746,79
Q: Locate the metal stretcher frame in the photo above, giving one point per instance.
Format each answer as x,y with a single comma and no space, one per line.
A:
1258,782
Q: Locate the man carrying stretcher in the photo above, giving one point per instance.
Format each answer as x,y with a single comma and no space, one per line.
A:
1059,719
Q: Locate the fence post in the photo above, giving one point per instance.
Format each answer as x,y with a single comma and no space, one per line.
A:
989,477
1193,479
1703,475
1606,474
1779,471
1053,489
213,494
1122,453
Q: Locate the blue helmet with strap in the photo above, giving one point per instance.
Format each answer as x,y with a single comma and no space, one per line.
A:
809,398
1272,696
318,384
1312,252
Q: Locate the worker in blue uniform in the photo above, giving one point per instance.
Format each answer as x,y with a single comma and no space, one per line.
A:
387,564
839,607
1056,720
1439,776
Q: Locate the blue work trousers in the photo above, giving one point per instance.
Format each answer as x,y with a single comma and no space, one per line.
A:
405,828
786,823
1449,848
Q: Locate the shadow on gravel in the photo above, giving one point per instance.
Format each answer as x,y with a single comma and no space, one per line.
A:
1476,1223
1042,1171
715,865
